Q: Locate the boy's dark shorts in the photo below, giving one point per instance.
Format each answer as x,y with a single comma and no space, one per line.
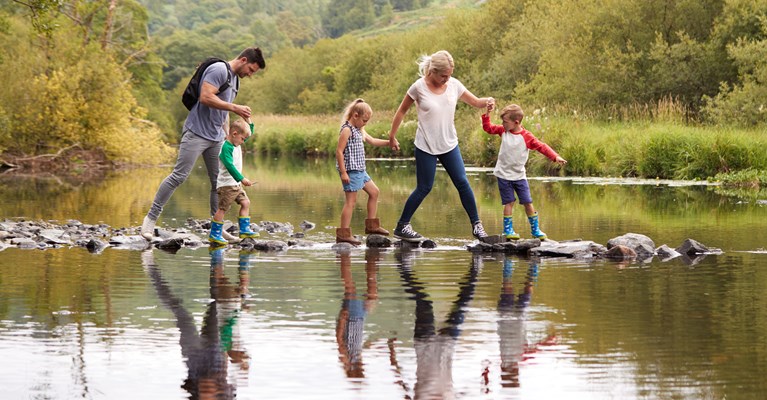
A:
227,195
507,189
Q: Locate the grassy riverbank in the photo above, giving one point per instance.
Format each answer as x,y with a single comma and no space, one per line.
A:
647,147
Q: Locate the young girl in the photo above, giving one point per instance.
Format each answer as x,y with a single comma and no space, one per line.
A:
350,162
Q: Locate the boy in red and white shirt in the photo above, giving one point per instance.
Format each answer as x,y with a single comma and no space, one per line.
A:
516,143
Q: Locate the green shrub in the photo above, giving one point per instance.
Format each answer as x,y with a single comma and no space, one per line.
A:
748,178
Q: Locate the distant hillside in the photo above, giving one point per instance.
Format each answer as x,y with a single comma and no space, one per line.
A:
408,20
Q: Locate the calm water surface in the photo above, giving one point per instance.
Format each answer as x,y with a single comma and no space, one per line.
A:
314,323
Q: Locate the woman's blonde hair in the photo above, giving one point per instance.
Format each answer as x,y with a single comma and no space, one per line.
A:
357,106
437,62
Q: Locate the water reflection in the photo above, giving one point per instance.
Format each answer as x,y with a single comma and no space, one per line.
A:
354,308
515,348
209,352
435,348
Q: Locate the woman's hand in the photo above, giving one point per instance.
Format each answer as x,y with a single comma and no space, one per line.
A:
393,143
490,104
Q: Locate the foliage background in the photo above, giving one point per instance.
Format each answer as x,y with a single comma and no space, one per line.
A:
111,79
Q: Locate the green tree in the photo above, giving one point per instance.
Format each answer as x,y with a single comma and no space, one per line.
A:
686,70
745,102
343,16
42,13
82,95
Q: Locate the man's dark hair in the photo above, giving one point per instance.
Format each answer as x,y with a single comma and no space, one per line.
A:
253,54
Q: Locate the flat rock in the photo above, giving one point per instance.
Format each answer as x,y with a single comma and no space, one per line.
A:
570,249
631,240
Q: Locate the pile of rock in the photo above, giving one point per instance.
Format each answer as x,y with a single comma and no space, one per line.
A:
50,235
631,246
281,236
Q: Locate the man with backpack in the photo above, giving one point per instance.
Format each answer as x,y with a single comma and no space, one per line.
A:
215,85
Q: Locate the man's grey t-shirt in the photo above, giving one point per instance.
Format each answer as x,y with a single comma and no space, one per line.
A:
205,122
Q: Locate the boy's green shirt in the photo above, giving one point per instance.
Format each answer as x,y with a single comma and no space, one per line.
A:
226,157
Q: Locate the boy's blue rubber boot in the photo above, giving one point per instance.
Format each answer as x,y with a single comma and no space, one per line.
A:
508,228
245,231
215,233
534,228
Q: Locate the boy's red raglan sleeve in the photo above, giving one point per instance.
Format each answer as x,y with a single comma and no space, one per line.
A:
490,128
533,143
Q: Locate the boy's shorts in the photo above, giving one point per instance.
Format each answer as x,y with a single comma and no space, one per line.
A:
227,195
507,189
357,179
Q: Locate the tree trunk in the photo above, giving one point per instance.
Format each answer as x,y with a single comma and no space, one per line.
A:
107,37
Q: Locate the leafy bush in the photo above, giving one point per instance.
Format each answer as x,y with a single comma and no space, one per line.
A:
748,178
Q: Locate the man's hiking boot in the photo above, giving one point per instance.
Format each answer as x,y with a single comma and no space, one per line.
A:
147,228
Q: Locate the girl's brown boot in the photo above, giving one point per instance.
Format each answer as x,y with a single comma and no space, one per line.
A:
373,225
344,235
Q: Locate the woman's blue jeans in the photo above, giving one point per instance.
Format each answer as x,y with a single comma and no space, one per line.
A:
425,170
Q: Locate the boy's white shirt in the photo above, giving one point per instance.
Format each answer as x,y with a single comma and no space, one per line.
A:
512,157
224,178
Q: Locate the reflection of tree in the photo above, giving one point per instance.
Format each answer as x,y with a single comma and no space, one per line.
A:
207,353
351,318
512,331
434,348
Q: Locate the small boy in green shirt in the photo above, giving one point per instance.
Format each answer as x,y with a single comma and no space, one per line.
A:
230,181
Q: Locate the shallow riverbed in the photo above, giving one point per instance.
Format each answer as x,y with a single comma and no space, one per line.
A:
314,323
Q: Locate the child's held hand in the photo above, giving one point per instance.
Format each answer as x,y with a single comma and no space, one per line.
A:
394,144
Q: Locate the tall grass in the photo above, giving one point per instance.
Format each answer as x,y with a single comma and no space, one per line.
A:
656,141
651,141
317,135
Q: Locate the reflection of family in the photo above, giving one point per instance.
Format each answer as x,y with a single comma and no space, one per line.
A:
354,309
512,324
208,132
434,347
210,352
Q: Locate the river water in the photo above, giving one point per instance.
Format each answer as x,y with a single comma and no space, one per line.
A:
314,323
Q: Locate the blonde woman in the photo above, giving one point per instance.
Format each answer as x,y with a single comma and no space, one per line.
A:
436,95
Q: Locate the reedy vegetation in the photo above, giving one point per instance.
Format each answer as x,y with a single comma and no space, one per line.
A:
654,88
